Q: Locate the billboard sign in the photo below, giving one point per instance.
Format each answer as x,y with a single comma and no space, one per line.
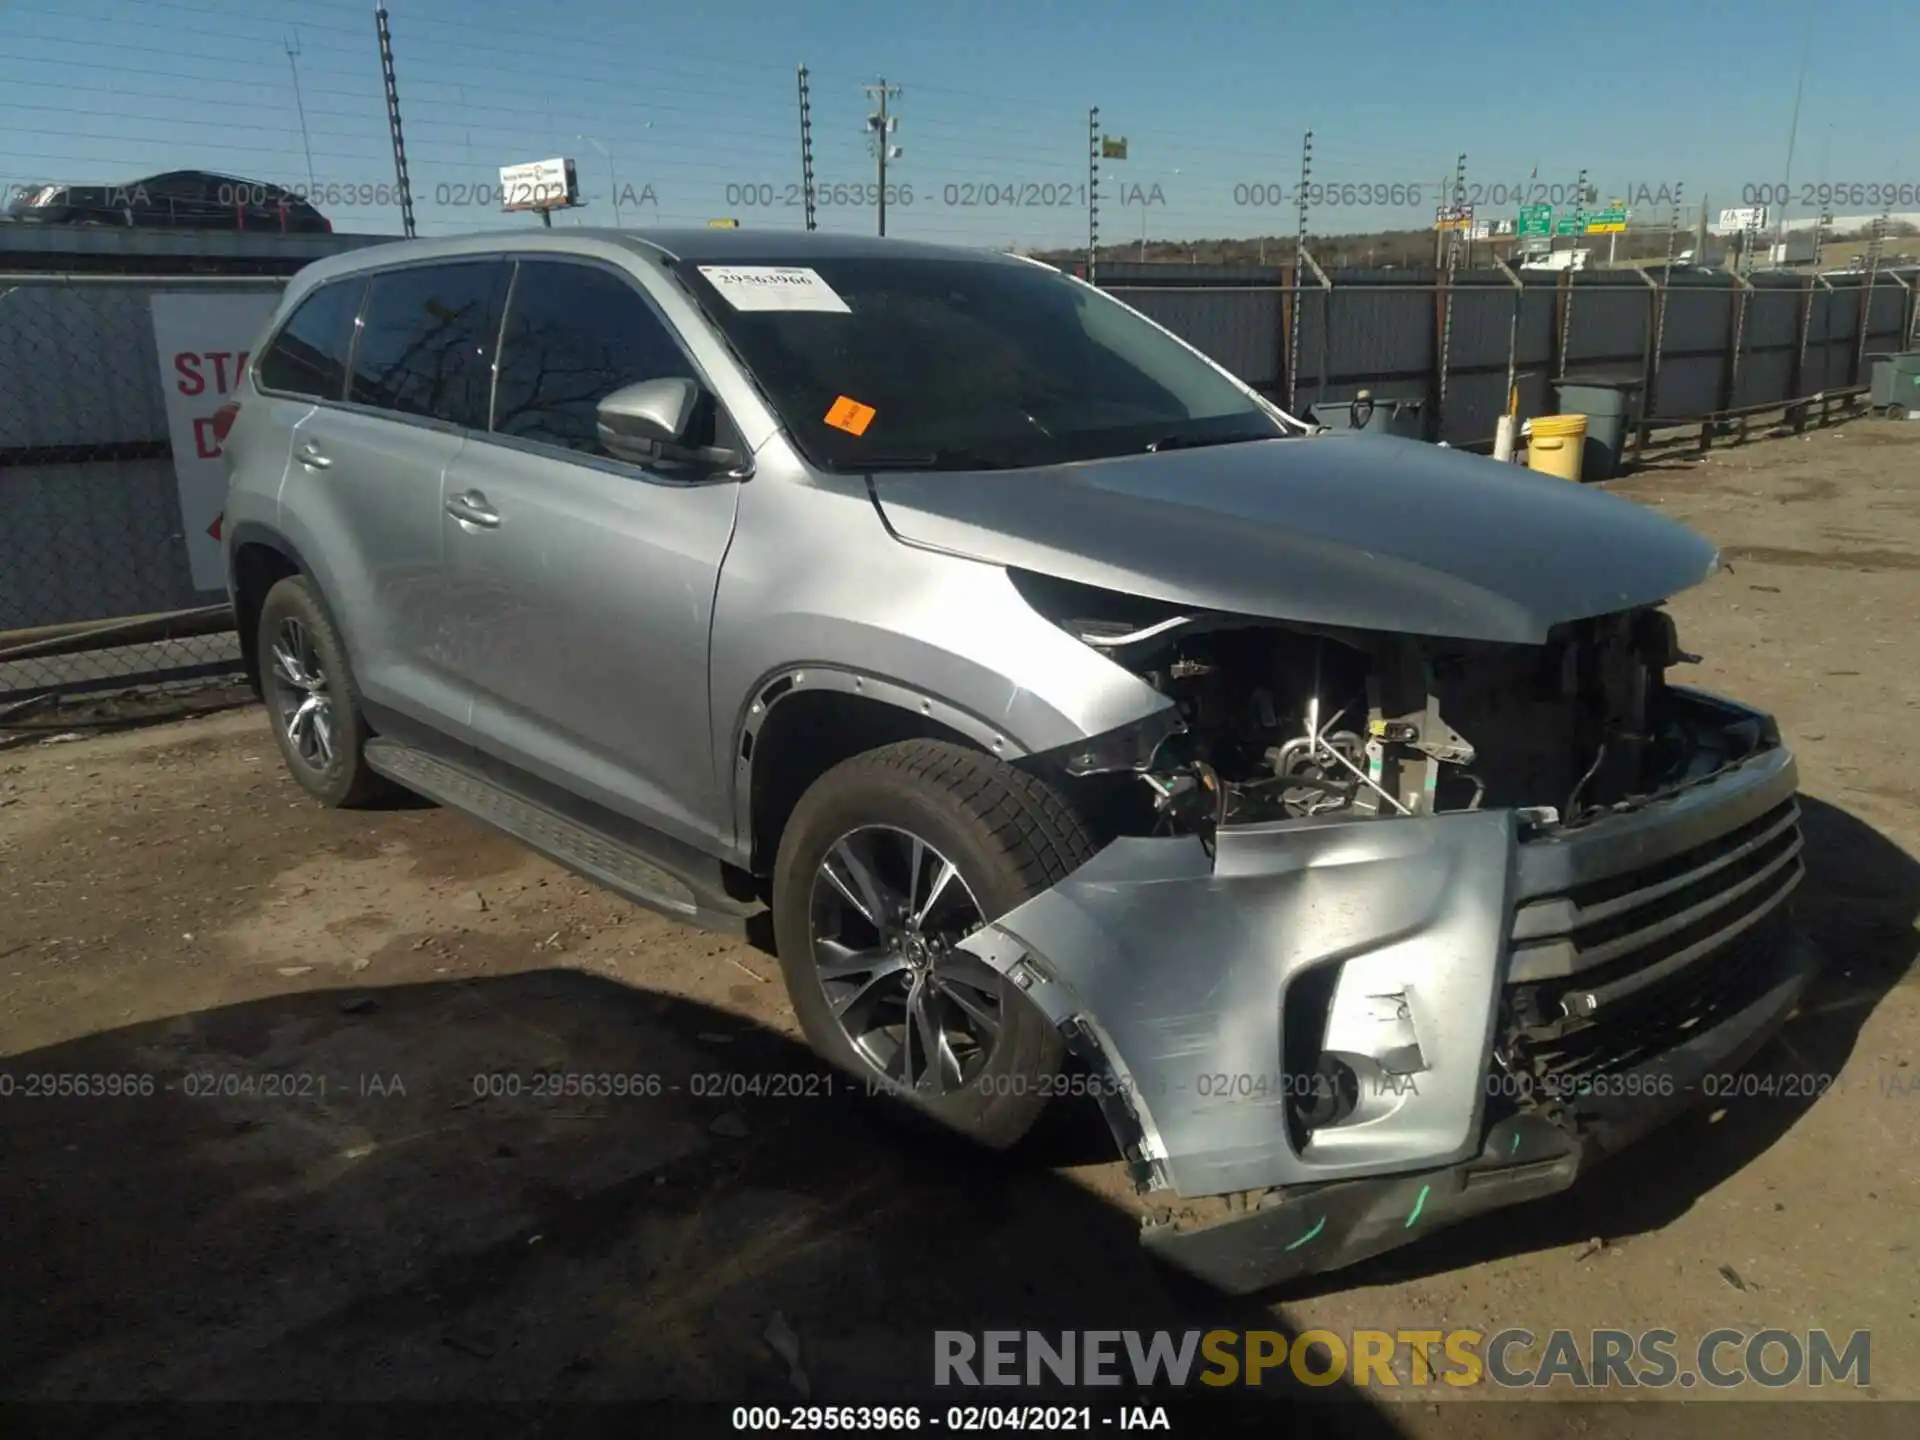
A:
539,185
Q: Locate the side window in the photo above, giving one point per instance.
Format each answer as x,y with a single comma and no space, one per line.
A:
426,341
181,197
574,335
309,355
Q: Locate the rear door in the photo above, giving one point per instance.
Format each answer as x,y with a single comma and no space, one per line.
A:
365,481
302,365
584,587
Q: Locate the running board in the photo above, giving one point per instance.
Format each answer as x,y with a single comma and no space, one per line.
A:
623,867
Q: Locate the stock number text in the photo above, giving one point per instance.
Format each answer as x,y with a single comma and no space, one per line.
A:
1874,193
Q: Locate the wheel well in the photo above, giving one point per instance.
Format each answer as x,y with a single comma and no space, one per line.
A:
806,735
257,568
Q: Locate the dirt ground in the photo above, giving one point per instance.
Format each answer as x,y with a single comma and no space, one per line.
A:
375,1204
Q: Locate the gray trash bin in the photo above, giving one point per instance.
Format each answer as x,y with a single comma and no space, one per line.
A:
1364,412
1896,382
1610,407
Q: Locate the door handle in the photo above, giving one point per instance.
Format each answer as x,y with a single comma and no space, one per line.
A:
310,456
473,508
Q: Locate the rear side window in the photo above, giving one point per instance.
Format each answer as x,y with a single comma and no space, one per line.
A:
309,355
574,335
426,341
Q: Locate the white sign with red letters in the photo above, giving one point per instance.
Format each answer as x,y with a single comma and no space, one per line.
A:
203,343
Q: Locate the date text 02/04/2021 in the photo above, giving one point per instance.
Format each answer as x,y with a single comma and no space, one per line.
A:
644,1085
959,1419
962,195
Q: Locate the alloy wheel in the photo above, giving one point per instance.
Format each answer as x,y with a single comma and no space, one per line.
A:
302,702
887,913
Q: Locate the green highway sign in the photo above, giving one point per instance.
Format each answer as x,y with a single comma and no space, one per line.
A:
1610,221
1574,224
1534,220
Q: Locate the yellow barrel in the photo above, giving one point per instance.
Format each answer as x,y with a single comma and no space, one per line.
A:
1555,444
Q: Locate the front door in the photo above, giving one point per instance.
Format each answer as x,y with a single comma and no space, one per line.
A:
586,584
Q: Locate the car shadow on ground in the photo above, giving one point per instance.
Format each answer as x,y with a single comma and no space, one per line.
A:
1859,903
547,1187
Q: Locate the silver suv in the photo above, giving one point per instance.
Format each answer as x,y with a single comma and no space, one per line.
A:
1083,724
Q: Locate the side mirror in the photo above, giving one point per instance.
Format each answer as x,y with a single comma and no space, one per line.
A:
636,421
647,424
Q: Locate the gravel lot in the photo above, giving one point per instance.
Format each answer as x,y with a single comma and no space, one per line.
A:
171,907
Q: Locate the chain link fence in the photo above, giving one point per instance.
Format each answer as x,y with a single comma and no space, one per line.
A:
98,592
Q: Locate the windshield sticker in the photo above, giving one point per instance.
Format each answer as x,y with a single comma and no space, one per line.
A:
774,287
850,415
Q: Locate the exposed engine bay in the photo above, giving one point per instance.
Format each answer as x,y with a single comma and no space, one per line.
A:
1276,722
1590,903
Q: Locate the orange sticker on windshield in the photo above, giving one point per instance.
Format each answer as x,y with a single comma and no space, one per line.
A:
850,416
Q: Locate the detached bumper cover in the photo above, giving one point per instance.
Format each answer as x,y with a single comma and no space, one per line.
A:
1617,962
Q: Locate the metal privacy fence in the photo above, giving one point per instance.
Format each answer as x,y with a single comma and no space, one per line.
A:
1698,347
100,527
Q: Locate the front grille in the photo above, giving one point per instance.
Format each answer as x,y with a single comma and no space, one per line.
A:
1613,971
1653,1022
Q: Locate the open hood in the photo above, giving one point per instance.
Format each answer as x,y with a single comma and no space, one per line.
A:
1342,529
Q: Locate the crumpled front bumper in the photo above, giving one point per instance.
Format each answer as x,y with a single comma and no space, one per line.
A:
1418,941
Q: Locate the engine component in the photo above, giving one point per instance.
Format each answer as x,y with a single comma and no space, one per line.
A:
1272,722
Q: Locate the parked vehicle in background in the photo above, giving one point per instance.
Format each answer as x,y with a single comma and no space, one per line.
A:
177,199
1319,802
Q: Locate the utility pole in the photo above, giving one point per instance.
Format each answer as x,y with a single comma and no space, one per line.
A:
300,105
1566,308
1306,178
1673,238
1453,265
1093,195
1459,202
393,120
880,128
1299,274
1880,226
613,181
1793,130
806,148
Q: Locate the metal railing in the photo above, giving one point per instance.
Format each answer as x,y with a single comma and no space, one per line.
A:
98,582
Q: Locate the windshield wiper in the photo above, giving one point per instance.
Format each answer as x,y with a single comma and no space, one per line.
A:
938,459
1195,442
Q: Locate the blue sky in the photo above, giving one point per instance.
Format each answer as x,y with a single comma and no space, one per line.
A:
695,104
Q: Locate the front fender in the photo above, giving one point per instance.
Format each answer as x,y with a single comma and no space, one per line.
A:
814,586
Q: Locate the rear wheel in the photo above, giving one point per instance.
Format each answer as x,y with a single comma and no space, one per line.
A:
888,861
309,693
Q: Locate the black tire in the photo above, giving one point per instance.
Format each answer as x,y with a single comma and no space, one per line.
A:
344,782
1008,835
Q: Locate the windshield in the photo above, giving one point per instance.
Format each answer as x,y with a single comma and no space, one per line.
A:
955,364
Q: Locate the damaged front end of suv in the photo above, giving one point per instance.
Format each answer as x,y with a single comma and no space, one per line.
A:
1391,929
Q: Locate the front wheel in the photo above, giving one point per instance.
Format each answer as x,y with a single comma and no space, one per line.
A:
888,861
